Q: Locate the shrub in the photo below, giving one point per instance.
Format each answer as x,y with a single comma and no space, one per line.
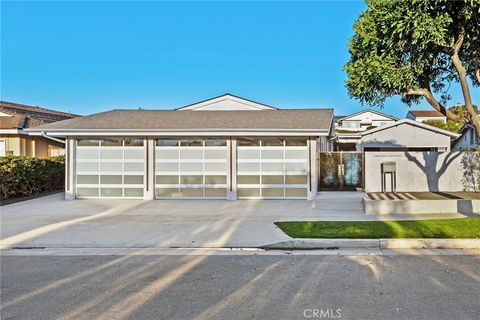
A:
471,170
26,176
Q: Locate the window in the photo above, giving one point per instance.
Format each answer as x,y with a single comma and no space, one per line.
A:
215,143
88,142
133,142
111,142
167,143
351,124
191,143
271,142
248,142
296,142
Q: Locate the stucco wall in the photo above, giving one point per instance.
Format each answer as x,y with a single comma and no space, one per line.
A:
416,171
12,144
30,146
404,135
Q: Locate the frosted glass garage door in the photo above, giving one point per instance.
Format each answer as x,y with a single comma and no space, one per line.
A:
110,168
272,168
191,168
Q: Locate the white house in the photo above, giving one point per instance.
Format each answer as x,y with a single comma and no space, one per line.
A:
222,148
426,115
363,120
468,139
348,128
406,135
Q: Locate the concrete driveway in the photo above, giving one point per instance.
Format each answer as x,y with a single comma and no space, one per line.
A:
52,222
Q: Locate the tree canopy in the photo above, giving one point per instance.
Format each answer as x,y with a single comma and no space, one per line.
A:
416,49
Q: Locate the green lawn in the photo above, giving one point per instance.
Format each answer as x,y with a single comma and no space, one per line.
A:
449,228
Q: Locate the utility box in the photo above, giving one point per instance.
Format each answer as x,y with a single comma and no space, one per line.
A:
389,169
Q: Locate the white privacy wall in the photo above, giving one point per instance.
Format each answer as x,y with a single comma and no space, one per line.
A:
416,171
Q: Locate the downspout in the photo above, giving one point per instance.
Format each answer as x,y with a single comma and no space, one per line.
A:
52,138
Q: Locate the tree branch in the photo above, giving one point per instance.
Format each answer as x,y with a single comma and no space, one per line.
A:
476,66
427,94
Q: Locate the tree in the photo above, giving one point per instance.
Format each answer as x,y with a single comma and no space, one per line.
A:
416,49
450,125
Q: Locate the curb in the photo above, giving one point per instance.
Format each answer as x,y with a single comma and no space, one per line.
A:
308,244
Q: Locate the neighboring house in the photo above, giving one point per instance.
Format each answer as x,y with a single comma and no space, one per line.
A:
406,135
426,115
469,138
348,128
14,140
225,148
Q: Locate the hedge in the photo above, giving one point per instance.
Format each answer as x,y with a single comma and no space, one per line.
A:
27,176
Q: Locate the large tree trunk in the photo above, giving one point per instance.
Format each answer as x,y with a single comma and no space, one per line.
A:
462,75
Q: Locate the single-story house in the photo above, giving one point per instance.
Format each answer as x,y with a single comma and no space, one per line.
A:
14,140
469,138
221,148
406,135
426,115
348,129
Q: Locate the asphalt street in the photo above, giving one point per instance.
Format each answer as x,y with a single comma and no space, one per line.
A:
240,287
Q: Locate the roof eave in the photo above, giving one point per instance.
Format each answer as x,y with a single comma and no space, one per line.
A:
180,132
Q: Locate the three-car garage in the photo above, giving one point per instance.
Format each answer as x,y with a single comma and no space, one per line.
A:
222,148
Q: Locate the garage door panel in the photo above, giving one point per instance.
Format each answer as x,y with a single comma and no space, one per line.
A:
110,168
167,192
133,192
195,168
272,168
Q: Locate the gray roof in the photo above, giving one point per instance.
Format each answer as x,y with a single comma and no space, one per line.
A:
286,119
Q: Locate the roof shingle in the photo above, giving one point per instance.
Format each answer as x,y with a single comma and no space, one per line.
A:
427,113
288,119
23,116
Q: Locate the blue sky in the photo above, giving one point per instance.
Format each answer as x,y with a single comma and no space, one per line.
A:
88,57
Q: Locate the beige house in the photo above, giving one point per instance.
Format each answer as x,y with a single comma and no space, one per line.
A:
15,118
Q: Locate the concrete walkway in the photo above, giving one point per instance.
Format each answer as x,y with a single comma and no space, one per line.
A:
52,222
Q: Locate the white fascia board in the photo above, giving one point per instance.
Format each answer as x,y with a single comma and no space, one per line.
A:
13,131
182,133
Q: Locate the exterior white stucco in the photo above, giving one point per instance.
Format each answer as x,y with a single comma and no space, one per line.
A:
416,171
406,134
